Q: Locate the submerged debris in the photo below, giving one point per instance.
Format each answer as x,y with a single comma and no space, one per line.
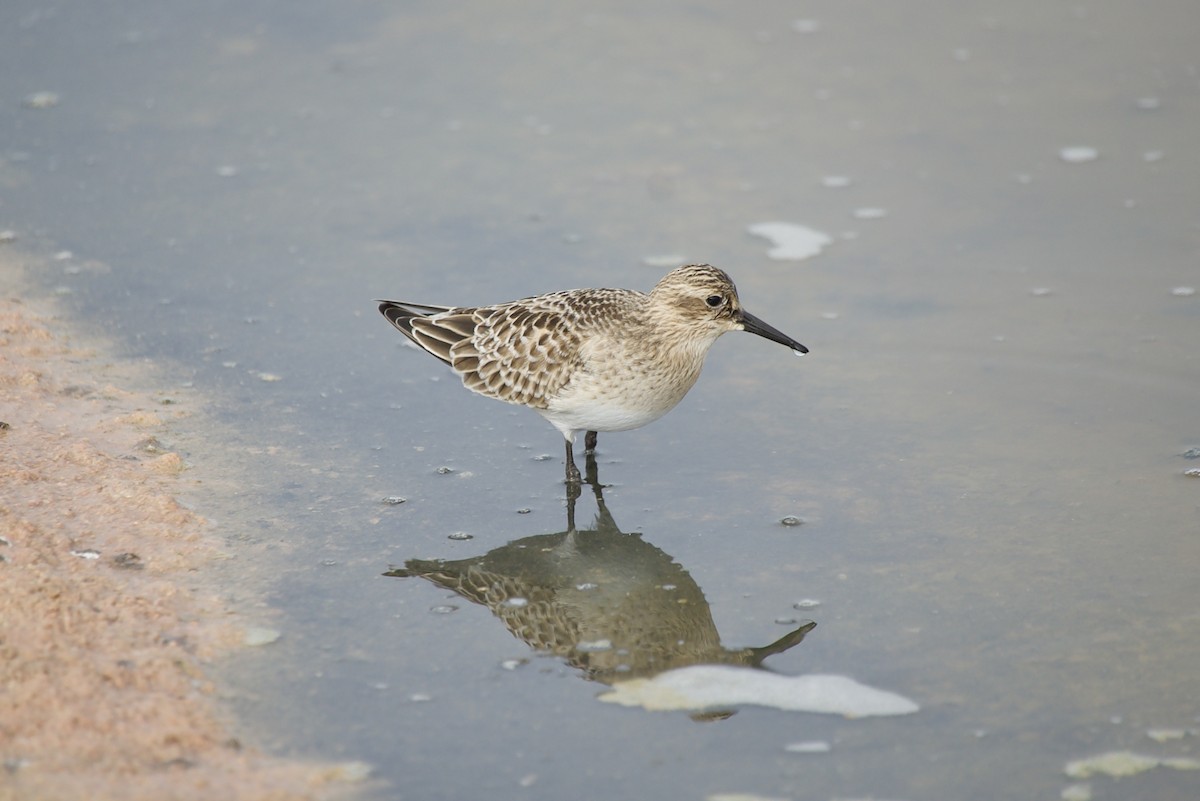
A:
1125,763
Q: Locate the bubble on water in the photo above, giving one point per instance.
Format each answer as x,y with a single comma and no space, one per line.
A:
786,621
460,535
1166,735
542,457
85,553
1183,291
587,585
524,511
41,100
1078,154
516,602
592,646
792,520
836,181
1148,103
808,747
870,213
256,636
806,603
1076,792
393,500
445,471
806,25
443,609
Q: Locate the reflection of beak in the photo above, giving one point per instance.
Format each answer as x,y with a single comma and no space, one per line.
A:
756,326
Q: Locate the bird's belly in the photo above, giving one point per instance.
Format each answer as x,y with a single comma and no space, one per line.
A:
594,405
599,415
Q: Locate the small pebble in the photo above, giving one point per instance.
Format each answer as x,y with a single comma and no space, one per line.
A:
1192,473
86,553
128,561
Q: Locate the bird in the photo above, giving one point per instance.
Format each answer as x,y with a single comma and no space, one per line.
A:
587,360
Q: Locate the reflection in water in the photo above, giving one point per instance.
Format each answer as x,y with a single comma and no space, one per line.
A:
611,604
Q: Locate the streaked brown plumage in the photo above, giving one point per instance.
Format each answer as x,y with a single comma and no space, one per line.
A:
587,359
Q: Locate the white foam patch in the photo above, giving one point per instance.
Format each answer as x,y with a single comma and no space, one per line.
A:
1078,154
792,242
707,686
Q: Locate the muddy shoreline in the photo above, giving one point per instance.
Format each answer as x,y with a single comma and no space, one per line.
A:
112,613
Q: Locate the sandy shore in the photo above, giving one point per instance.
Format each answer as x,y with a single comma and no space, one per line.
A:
108,614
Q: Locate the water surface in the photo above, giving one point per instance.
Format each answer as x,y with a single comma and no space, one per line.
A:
983,446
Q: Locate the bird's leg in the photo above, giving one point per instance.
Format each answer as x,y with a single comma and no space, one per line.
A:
573,477
589,442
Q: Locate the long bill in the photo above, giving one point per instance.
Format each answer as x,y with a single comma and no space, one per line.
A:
756,326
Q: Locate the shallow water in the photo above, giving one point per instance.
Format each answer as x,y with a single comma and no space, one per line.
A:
983,446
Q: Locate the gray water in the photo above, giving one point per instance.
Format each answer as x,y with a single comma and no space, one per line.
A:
984,446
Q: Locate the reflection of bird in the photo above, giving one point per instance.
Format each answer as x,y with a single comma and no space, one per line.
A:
610,603
588,359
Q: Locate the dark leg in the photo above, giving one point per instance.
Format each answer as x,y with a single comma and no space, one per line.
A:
589,442
573,476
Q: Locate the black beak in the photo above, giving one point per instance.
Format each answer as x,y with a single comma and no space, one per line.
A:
757,326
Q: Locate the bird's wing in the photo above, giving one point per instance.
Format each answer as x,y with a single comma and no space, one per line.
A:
522,352
409,319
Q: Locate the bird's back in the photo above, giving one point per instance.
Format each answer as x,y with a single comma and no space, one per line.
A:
523,352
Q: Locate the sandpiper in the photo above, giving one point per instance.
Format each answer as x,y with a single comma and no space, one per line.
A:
587,359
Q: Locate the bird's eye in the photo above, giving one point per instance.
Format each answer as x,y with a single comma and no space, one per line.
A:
714,301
